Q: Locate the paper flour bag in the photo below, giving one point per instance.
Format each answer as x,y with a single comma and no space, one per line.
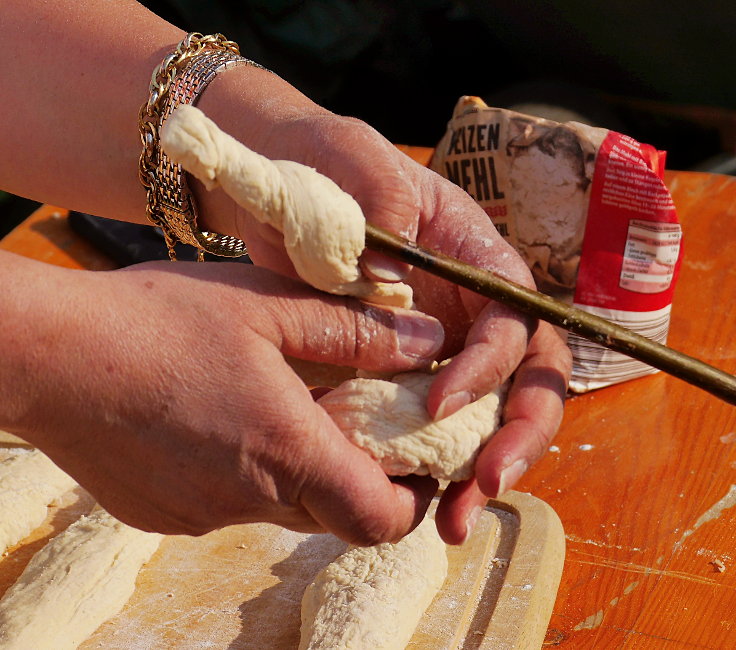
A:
588,211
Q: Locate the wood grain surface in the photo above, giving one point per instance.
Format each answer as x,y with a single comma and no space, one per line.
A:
642,474
240,588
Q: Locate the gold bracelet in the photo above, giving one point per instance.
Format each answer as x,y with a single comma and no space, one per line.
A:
180,79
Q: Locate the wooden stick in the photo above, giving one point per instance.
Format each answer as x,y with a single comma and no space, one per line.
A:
608,334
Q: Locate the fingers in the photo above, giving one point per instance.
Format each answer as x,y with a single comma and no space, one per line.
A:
486,339
301,472
532,414
458,511
380,178
347,332
495,344
347,493
308,324
361,505
375,173
388,517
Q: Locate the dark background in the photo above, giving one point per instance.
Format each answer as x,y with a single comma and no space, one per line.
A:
662,72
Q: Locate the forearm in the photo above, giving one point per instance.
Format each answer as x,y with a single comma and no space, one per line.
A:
62,345
74,75
31,304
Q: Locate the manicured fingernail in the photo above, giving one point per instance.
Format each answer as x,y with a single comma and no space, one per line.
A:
511,474
471,522
418,337
453,403
383,268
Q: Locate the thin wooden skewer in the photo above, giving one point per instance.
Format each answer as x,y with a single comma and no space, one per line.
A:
608,334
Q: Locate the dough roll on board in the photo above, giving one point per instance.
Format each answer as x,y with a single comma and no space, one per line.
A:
29,482
75,583
373,598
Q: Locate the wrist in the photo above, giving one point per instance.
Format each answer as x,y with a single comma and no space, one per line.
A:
181,78
252,105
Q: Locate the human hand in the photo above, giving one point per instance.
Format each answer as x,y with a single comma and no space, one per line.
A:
167,396
531,417
487,340
264,112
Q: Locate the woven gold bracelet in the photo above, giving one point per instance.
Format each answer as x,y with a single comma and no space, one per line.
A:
180,79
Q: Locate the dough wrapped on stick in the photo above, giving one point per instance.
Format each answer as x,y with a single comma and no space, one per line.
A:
323,226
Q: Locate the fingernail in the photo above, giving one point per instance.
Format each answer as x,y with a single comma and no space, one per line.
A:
453,403
511,474
471,522
384,269
418,337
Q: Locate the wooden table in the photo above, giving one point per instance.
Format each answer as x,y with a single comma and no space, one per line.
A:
642,475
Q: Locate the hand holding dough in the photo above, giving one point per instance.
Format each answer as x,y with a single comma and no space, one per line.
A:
323,227
389,420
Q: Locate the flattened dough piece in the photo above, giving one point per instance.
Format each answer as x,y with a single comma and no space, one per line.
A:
389,421
75,583
373,598
323,227
29,482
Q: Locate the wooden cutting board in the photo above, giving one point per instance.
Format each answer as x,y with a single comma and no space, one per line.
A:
241,587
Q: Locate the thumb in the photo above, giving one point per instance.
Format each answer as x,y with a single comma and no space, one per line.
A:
347,332
358,502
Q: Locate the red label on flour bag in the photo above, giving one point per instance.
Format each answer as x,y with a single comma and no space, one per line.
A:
631,247
588,211
630,258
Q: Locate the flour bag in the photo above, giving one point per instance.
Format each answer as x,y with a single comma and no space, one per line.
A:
587,209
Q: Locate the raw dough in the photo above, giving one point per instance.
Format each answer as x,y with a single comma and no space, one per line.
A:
372,598
76,582
323,227
29,482
388,420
